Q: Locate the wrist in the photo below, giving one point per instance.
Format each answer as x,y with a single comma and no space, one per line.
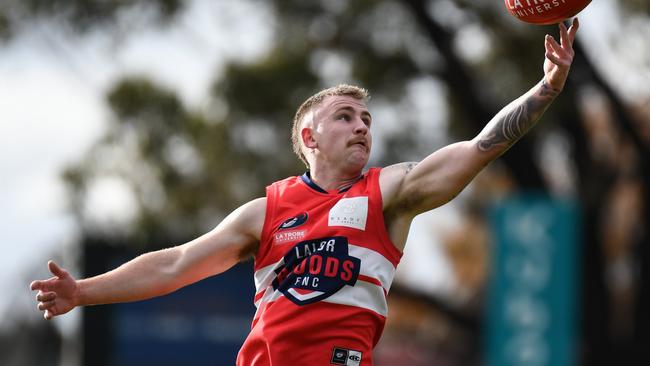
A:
79,295
550,89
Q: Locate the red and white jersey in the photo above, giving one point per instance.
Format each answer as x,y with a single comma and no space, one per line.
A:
322,273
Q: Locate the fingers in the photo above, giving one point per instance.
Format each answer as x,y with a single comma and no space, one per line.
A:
568,36
36,285
43,285
553,50
558,54
573,29
554,59
552,44
45,305
56,270
45,296
46,301
564,36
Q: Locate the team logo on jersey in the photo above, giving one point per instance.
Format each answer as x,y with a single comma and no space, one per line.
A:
294,221
313,270
350,212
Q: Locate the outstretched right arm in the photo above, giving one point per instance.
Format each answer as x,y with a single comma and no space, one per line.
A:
160,272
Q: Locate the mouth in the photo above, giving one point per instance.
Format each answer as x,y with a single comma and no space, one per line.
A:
360,143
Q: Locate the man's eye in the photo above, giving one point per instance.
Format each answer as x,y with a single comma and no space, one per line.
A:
344,117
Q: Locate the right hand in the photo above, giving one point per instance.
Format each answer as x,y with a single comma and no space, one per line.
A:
559,56
56,295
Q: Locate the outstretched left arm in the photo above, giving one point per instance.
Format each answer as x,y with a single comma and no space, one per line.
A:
412,188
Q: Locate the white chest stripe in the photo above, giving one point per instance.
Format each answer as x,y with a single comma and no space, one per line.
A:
374,265
265,275
363,294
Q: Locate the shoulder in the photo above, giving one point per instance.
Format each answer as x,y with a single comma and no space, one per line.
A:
394,174
249,217
397,170
243,226
391,179
253,210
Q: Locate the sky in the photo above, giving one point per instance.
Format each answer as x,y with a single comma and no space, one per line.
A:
52,109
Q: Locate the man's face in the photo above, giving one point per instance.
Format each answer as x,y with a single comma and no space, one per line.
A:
341,131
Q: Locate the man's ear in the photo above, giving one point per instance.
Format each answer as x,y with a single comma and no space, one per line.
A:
308,138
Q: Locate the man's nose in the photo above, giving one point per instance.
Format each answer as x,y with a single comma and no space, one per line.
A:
360,127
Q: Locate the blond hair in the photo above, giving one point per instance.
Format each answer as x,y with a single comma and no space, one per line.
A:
313,102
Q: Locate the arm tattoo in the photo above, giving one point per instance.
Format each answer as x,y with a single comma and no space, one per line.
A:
408,167
517,118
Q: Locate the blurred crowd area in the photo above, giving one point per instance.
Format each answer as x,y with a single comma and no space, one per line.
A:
169,167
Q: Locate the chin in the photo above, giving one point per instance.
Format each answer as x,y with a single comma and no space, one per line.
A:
357,163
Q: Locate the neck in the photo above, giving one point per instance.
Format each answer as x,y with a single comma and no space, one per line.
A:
330,180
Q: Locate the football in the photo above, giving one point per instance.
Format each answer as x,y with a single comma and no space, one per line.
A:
545,11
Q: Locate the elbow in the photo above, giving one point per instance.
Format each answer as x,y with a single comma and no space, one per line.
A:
171,270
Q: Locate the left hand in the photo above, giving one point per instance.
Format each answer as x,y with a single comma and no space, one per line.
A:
559,56
56,295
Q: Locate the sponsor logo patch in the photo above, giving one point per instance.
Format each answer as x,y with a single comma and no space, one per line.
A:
347,357
284,235
313,270
287,236
350,212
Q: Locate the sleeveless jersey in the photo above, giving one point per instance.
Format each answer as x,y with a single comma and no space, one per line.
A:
322,273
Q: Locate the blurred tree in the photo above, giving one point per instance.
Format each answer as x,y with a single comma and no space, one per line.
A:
186,169
82,15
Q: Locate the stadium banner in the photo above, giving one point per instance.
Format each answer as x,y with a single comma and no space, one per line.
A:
532,298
